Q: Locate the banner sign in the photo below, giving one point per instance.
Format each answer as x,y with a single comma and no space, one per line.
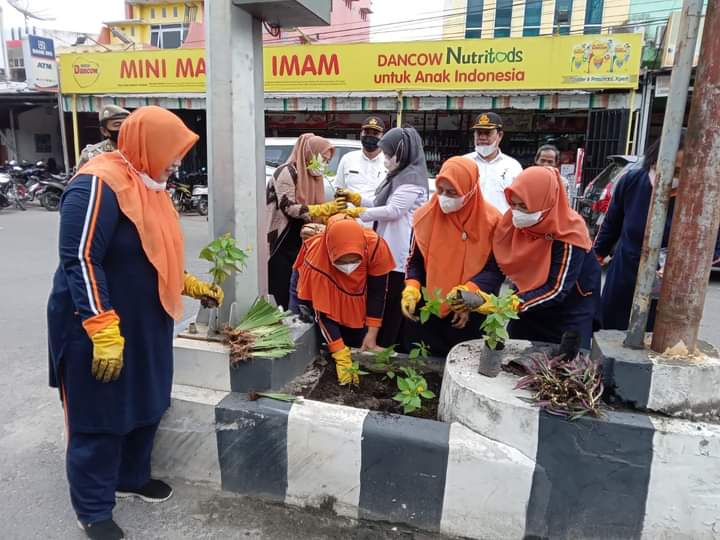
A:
40,65
538,63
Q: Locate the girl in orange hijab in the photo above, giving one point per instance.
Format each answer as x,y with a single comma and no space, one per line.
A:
451,251
342,276
115,296
295,197
544,248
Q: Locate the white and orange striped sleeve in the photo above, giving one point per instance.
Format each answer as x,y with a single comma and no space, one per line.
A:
565,267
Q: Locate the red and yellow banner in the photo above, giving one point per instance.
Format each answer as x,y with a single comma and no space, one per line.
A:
539,63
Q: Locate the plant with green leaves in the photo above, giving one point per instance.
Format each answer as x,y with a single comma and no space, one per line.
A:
318,163
433,304
225,256
417,358
413,388
261,332
384,361
494,327
354,369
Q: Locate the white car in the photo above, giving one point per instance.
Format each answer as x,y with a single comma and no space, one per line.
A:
278,149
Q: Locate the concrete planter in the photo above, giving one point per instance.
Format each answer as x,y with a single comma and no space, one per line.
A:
629,475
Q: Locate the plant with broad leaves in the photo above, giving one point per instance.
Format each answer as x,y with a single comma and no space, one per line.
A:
318,163
432,306
225,256
494,326
417,358
412,389
384,361
354,369
571,388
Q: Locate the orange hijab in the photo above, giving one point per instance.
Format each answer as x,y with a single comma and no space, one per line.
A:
455,246
341,297
151,139
524,255
309,189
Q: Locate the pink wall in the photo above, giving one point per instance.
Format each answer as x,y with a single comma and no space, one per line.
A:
346,24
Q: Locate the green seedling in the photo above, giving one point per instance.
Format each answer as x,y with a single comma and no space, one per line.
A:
433,304
494,326
225,256
318,163
413,389
384,361
354,369
418,355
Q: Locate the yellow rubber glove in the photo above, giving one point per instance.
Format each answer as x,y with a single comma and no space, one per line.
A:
410,297
202,290
108,347
485,307
350,196
343,362
516,303
326,210
452,298
354,212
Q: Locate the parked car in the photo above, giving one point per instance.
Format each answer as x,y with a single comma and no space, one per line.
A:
594,203
278,149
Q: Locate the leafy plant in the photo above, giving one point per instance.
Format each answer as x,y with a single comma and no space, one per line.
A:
433,304
412,388
564,388
318,163
494,326
354,369
418,355
260,333
384,362
225,256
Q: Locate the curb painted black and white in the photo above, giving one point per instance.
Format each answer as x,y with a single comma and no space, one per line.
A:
497,468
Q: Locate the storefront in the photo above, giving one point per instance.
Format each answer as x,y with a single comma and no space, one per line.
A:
546,88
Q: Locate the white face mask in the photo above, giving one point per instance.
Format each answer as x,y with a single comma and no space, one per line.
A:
151,184
522,220
391,163
347,268
486,150
450,204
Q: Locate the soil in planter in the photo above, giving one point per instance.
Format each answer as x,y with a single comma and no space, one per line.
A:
375,393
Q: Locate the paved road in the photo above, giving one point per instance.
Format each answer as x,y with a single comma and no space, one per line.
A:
34,503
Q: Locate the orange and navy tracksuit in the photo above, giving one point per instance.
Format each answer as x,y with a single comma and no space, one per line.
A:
568,301
110,426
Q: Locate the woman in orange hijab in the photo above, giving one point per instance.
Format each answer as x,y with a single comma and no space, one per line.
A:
342,276
543,247
295,197
451,251
115,295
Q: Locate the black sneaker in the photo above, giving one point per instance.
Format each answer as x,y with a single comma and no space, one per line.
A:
102,530
155,491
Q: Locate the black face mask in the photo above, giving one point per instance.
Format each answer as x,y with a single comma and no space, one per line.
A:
113,135
369,142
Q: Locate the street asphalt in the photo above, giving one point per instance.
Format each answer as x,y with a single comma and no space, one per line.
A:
34,500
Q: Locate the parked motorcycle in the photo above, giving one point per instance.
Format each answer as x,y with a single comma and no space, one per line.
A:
52,191
200,199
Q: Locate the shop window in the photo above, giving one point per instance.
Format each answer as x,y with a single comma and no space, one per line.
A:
152,13
503,16
533,14
164,13
167,36
563,15
593,16
474,19
175,12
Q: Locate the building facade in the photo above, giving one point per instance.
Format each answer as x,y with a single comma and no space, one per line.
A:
509,18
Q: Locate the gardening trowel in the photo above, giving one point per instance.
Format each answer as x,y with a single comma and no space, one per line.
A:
468,299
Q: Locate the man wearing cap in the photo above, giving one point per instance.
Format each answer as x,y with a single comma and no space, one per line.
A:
111,118
497,170
362,171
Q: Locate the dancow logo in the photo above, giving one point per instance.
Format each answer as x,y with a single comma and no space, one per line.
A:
85,72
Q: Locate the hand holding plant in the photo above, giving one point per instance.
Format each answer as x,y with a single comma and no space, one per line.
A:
504,308
433,304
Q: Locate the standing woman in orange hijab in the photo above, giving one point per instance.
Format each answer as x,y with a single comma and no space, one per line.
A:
115,295
451,251
295,197
342,276
543,247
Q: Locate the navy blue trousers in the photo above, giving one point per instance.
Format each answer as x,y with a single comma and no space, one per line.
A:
98,464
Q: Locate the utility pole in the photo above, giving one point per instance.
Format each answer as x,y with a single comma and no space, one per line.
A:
697,209
669,143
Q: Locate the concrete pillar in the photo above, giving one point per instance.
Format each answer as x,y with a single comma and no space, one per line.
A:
236,143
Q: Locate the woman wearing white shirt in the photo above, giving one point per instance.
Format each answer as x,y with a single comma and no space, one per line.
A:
403,191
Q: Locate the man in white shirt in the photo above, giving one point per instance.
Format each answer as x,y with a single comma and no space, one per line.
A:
497,170
362,171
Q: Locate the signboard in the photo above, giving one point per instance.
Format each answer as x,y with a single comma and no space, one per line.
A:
40,65
539,63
